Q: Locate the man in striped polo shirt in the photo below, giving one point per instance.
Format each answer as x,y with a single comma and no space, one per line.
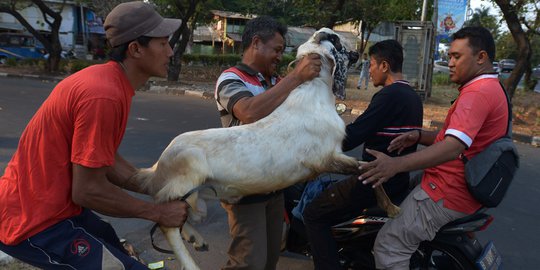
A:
244,94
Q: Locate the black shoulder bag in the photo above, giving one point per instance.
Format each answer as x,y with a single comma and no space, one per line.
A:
490,172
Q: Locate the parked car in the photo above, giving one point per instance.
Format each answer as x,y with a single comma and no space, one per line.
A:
507,65
440,67
19,46
496,66
536,72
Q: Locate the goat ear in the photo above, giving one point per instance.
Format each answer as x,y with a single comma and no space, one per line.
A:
335,41
320,37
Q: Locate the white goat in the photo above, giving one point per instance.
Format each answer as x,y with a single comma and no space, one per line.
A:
299,140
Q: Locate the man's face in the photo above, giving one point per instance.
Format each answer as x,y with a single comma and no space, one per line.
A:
157,56
269,54
377,72
462,61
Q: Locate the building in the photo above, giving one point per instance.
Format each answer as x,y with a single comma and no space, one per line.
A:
81,30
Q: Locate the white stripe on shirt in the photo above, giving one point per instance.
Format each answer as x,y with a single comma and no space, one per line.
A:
460,135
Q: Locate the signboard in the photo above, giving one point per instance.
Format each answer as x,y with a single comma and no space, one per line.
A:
451,16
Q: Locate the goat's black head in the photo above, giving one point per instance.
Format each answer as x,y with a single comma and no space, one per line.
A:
333,38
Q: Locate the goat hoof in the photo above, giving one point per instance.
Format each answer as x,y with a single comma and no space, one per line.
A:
191,239
203,247
393,211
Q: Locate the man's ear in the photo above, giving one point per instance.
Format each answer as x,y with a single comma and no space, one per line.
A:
256,42
482,57
385,66
134,49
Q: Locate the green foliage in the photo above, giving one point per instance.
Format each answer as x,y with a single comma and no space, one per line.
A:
441,79
481,17
212,59
74,65
227,60
11,62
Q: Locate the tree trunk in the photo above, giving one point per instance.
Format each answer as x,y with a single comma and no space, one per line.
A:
333,18
176,62
522,41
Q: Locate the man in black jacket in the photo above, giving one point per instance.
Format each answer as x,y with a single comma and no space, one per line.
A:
394,110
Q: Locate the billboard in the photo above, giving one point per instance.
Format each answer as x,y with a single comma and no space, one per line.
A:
450,16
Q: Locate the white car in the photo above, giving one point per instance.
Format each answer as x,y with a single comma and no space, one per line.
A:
440,67
536,72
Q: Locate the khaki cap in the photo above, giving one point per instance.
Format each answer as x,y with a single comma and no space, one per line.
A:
128,21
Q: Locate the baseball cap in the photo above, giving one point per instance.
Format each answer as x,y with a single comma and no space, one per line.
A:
130,20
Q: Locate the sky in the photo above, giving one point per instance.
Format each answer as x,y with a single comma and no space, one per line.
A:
494,9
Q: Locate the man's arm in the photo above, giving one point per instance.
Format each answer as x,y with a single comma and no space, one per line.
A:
424,137
251,109
368,123
91,189
384,167
121,174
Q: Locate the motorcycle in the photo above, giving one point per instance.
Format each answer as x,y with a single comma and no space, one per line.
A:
454,247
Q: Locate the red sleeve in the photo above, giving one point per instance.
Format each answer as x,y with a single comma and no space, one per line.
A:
470,114
97,125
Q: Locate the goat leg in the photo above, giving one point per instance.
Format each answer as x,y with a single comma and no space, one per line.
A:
193,236
350,165
172,234
385,203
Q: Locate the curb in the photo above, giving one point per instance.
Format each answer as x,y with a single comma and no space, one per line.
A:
172,90
32,76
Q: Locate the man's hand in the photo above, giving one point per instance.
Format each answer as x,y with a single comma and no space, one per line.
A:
379,170
172,214
403,141
308,67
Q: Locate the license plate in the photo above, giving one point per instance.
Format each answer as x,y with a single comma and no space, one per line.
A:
490,258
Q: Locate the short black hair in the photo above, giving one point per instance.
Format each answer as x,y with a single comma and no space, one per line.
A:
390,51
265,27
479,39
118,53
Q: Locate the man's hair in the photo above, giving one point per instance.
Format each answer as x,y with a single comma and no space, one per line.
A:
480,39
390,51
118,53
265,27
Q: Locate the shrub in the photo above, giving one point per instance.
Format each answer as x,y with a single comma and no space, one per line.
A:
74,65
441,79
11,62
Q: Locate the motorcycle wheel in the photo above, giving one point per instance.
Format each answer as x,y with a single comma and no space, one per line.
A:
436,256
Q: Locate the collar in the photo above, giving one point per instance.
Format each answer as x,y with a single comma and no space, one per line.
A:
479,77
402,82
247,69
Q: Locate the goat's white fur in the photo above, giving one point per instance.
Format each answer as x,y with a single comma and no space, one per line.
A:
299,140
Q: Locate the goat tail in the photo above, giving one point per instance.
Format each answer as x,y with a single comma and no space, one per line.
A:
143,177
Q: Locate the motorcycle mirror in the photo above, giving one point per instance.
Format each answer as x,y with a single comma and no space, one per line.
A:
341,108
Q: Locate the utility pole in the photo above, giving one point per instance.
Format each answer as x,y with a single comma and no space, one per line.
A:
424,10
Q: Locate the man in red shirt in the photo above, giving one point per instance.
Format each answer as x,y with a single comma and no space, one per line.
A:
477,118
67,163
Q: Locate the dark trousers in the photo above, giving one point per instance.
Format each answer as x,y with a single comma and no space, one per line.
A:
81,242
342,201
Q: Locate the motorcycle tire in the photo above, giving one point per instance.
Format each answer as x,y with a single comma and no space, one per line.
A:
430,256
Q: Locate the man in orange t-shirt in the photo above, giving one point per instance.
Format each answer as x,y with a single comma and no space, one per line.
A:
477,118
67,163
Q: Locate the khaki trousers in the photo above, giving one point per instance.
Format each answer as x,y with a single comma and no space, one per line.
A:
419,220
256,230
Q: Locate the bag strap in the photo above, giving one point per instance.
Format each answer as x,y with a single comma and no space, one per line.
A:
508,126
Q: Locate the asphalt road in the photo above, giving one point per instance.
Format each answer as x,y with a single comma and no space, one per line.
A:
156,119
